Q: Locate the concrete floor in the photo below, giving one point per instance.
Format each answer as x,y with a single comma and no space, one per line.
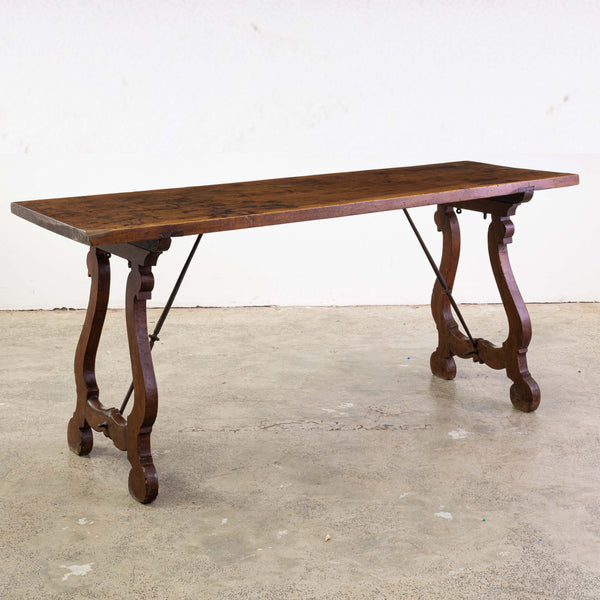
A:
278,427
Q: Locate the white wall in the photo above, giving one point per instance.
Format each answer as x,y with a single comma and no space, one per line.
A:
104,96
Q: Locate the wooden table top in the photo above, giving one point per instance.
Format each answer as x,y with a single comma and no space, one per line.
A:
137,216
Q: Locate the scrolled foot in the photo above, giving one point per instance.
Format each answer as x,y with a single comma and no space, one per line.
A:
143,483
80,439
442,366
525,394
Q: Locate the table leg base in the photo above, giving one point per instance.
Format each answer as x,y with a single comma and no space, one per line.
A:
80,439
143,483
525,394
442,366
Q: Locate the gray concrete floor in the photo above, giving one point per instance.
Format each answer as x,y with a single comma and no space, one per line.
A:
278,427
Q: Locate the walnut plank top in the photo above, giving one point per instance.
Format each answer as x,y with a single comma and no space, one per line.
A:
136,216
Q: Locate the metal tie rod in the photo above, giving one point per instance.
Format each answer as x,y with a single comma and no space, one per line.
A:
163,316
445,288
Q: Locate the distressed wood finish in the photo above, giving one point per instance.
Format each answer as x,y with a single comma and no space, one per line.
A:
135,216
138,227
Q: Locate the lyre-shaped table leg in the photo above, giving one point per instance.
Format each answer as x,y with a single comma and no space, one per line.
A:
132,434
511,356
79,433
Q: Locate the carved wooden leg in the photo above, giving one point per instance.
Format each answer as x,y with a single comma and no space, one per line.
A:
79,433
132,434
442,361
143,479
524,392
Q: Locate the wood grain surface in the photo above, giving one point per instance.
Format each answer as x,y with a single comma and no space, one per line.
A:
137,216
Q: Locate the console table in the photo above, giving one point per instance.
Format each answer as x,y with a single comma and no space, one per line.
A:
138,226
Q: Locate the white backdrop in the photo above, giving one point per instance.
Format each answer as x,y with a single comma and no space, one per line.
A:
104,96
